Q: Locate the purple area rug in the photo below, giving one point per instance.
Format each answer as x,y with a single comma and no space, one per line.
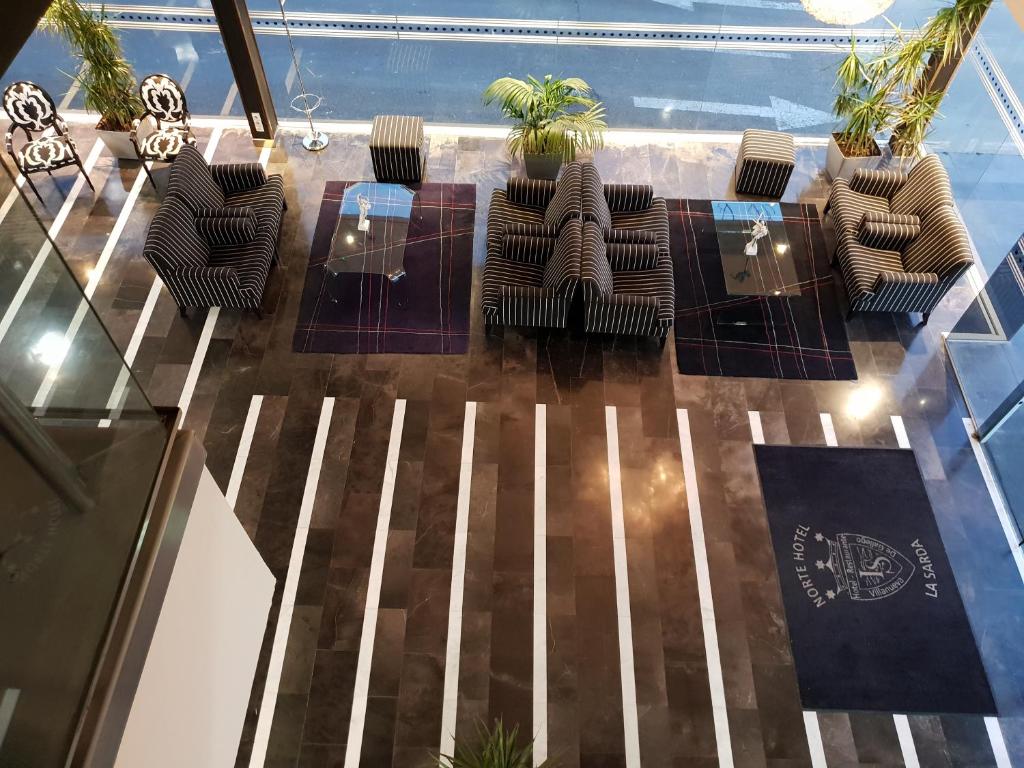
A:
424,312
782,337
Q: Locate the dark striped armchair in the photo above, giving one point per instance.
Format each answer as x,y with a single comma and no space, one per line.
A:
627,282
532,264
900,244
214,238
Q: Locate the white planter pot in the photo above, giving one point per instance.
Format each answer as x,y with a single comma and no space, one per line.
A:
840,166
118,144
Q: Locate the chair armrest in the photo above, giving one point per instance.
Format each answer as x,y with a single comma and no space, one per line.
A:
629,197
877,183
526,292
527,249
595,271
631,300
530,230
903,279
632,257
630,236
221,277
238,177
533,192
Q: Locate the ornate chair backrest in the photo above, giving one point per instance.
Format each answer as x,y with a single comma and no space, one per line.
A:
30,107
164,99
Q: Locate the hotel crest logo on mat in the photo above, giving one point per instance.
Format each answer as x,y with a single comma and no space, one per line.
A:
856,567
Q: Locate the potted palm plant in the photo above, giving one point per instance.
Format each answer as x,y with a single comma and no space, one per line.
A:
864,108
552,120
105,77
494,748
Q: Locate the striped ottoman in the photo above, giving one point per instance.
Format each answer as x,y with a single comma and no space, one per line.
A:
765,163
396,142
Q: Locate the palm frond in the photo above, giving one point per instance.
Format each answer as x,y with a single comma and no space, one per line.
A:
495,747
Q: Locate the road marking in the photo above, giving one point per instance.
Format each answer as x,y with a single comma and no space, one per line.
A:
540,586
361,690
244,444
814,742
291,585
450,702
786,114
630,721
829,429
716,680
1009,531
44,251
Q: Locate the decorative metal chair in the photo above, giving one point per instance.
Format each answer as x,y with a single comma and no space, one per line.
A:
165,103
31,109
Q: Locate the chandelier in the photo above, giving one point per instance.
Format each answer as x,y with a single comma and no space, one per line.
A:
845,12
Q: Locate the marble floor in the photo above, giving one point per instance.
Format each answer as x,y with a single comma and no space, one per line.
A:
497,534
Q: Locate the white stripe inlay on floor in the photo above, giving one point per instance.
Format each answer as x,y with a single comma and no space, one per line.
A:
43,394
756,428
906,741
540,586
995,737
44,250
291,585
244,444
8,701
829,429
997,498
704,594
197,361
814,739
630,723
902,439
450,703
361,690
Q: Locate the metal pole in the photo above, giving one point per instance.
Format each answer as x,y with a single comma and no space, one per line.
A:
315,140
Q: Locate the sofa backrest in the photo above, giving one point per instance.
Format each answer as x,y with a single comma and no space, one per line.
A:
565,204
595,204
942,247
192,181
562,270
595,271
927,187
172,242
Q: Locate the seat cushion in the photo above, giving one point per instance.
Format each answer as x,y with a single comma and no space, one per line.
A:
654,219
46,153
165,143
861,265
502,214
500,272
251,262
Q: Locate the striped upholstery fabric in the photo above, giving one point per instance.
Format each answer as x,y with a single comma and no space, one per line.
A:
887,231
530,289
927,187
638,299
227,230
883,271
594,203
629,257
528,248
396,143
214,238
629,197
536,193
530,230
765,163
630,236
877,183
565,203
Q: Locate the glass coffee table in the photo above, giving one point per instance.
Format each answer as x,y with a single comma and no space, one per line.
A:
768,271
377,245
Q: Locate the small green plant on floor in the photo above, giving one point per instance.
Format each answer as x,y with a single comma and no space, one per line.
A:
493,747
105,77
550,117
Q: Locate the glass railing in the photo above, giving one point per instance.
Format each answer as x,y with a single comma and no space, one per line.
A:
80,450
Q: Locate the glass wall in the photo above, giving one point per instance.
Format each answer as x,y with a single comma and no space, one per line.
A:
80,450
721,64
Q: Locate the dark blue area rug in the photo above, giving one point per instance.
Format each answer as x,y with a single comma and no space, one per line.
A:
875,618
424,312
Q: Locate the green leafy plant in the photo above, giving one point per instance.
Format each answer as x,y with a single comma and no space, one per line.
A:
553,116
495,747
902,87
105,77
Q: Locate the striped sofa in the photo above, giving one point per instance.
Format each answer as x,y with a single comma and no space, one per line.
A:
900,244
626,269
214,238
533,245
